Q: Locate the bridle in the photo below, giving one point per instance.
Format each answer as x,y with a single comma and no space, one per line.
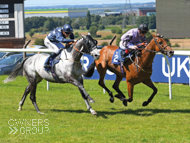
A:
81,50
162,50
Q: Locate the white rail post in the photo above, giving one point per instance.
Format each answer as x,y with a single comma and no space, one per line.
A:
47,85
189,70
170,83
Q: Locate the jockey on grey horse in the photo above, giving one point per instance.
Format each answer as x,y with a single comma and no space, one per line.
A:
67,70
55,37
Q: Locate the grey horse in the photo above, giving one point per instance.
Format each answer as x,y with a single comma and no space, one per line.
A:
68,70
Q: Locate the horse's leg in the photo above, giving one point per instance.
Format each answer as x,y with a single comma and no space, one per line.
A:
151,85
115,86
85,99
102,71
33,96
26,92
85,95
130,88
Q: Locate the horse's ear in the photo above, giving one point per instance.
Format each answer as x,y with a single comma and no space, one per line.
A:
82,36
153,36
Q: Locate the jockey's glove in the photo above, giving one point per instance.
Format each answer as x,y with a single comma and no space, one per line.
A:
143,44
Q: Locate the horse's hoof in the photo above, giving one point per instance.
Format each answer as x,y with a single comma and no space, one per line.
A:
111,99
125,102
91,101
145,103
118,96
93,112
20,108
41,112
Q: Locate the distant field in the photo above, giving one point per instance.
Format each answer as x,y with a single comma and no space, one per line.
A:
184,43
67,120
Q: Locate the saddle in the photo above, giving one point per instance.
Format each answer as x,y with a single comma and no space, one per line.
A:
53,61
118,58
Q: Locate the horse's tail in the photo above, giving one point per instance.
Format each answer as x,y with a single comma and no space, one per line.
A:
90,70
15,71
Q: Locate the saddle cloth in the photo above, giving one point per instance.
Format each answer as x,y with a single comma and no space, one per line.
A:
116,58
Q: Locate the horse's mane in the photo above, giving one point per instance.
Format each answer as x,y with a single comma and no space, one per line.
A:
89,37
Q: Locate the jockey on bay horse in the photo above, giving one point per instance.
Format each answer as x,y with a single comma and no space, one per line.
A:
132,39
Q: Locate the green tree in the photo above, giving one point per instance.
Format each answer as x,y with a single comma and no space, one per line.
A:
88,20
34,22
113,30
145,20
118,40
119,31
31,33
77,35
82,21
49,24
101,27
94,24
107,10
93,31
148,37
75,25
104,43
67,20
104,21
140,20
152,22
39,41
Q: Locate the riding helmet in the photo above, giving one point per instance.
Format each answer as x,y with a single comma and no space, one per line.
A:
143,28
67,28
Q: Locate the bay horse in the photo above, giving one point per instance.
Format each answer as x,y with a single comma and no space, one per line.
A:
136,70
68,70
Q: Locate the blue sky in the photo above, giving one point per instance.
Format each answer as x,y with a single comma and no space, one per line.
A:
79,2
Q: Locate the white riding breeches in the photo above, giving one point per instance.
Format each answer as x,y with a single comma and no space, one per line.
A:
121,45
53,45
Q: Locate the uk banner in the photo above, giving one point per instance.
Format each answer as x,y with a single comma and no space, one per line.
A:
179,66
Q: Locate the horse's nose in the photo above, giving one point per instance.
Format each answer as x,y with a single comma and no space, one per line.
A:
97,56
170,53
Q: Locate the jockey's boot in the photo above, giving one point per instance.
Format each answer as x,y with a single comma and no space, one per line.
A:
46,65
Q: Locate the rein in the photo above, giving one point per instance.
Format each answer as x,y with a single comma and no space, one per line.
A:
138,65
80,51
146,50
70,59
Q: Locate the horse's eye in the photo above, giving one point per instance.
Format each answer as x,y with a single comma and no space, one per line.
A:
87,41
160,43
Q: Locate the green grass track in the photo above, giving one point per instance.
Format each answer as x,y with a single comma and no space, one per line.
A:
67,120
